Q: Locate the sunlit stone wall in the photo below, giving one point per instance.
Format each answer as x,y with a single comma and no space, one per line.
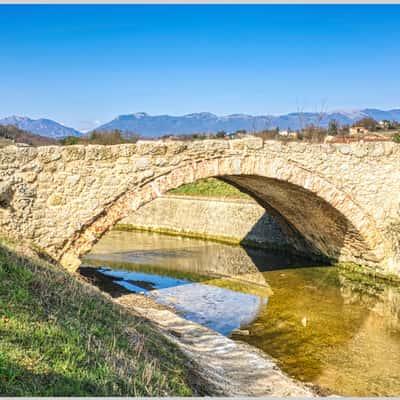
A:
342,198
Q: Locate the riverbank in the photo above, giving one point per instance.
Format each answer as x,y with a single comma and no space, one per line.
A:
223,366
227,367
325,325
59,336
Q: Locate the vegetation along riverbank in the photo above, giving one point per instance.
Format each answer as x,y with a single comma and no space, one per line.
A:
61,337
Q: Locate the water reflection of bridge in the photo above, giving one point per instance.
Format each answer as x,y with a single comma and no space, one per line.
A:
194,256
212,260
352,322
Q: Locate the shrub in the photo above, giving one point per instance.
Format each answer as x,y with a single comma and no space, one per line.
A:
396,137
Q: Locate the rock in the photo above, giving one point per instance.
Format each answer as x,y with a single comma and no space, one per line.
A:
56,200
329,139
5,194
345,149
241,332
143,163
254,143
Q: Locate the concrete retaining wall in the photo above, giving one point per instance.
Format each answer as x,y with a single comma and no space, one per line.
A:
227,220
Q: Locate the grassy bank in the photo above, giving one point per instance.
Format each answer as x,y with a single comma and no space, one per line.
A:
61,337
210,187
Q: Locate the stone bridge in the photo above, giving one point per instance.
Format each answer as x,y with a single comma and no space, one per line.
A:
335,200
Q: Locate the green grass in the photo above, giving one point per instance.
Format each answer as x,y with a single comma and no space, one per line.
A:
61,337
210,187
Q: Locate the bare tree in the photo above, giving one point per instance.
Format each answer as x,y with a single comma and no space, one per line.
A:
300,113
321,113
254,125
268,122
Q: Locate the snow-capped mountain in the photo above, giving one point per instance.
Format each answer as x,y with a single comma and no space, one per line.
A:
42,126
159,125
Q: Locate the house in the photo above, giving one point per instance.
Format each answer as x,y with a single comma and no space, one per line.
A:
358,130
289,134
385,124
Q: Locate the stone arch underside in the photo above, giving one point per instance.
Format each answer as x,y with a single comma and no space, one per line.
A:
329,222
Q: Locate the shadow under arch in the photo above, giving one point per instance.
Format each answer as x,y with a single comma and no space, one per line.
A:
315,228
323,219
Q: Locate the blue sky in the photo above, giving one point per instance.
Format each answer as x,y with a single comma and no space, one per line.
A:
85,64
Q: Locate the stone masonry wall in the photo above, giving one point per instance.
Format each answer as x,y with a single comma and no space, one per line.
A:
342,198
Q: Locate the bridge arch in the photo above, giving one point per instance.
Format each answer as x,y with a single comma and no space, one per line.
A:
331,223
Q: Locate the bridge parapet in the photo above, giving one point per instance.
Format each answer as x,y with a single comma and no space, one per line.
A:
63,198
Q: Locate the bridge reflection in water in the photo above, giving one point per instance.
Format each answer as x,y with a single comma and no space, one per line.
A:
216,285
323,325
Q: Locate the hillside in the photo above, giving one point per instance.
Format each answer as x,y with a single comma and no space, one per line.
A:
42,126
10,134
62,337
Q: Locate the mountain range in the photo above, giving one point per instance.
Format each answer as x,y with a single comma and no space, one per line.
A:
159,125
42,126
151,126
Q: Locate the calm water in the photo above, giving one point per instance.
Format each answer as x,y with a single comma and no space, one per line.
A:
329,327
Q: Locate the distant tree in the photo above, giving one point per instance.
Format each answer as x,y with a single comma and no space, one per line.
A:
321,113
333,127
367,123
102,137
386,124
70,140
313,134
344,130
220,134
254,126
241,131
268,134
107,137
131,136
196,136
300,115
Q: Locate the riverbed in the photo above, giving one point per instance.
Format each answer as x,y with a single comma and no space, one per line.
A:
323,325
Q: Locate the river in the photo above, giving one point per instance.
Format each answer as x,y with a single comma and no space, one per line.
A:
335,329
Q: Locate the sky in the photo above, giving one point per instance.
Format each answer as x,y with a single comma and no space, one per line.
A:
83,65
